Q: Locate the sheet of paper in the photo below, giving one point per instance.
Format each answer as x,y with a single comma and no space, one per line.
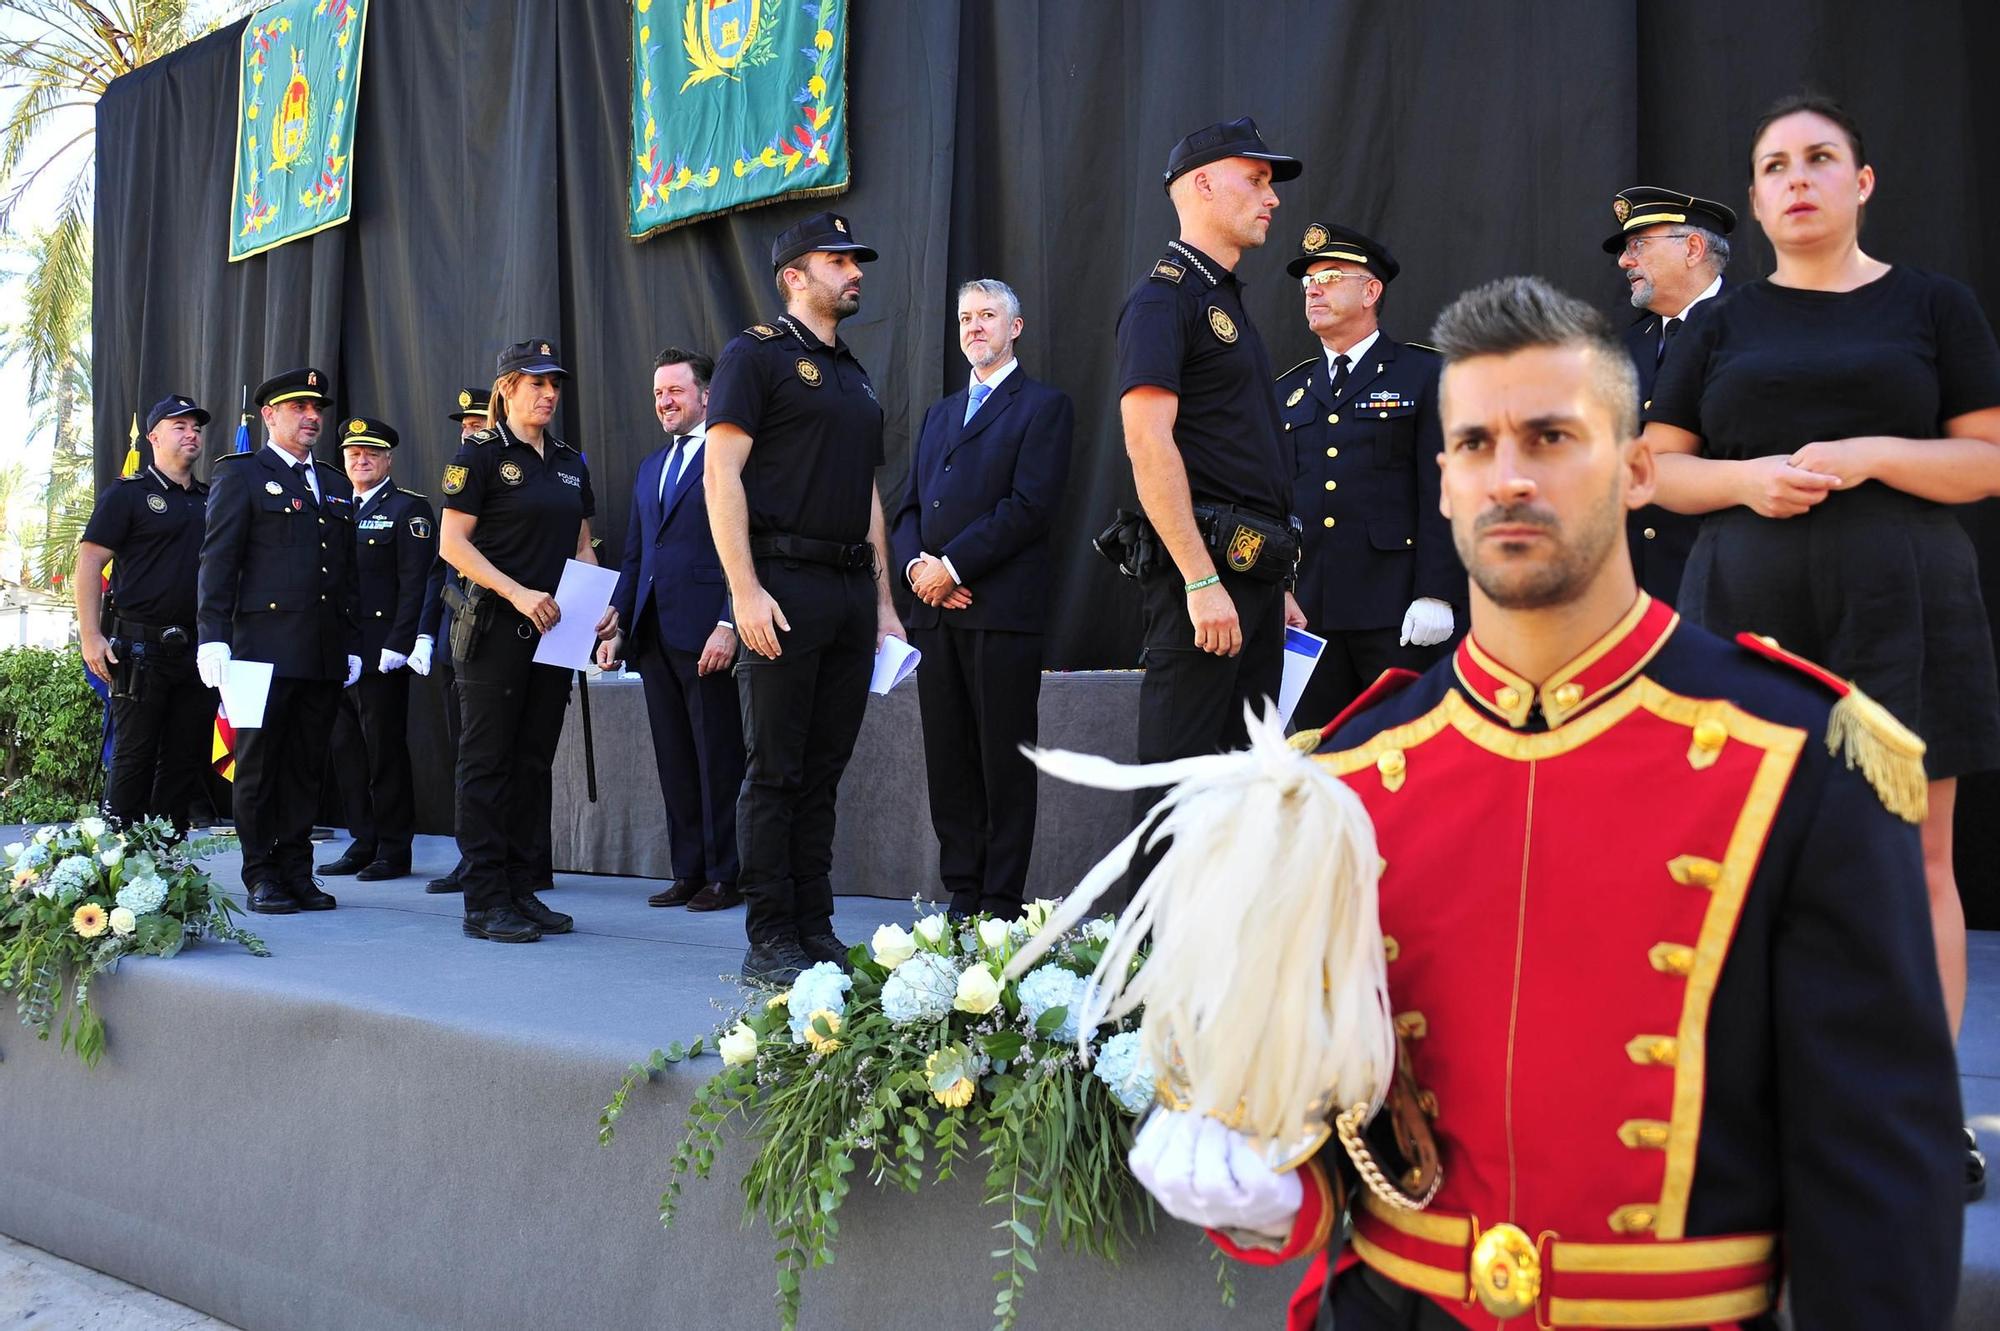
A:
582,594
895,661
1302,651
246,685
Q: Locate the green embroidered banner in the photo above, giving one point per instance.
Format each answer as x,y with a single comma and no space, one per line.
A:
735,103
300,72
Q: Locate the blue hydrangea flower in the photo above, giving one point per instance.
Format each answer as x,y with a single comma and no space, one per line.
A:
1051,986
921,989
1123,1066
143,896
820,986
72,877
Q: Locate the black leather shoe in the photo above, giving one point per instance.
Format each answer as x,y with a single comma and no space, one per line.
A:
352,860
716,896
824,947
682,891
271,899
1975,1169
548,921
382,870
444,886
775,963
502,924
307,892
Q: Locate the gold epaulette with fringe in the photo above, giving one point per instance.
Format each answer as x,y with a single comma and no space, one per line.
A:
1864,734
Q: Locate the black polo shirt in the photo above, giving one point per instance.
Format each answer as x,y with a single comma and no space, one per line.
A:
153,529
1184,329
530,505
814,425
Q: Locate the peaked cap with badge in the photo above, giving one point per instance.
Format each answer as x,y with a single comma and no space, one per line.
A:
472,402
535,356
366,432
1322,241
303,384
822,233
1649,205
171,406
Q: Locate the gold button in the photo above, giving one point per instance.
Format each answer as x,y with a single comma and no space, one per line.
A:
1650,533
1333,452
371,541
1710,734
322,568
1428,1102
1328,522
1643,1134
378,614
274,605
1632,1220
1662,1050
1333,485
1568,695
1648,406
1385,415
1391,949
1671,958
1392,763
1288,425
1413,1025
1333,419
1509,698
322,596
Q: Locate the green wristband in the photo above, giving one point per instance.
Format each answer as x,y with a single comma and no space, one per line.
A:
1208,581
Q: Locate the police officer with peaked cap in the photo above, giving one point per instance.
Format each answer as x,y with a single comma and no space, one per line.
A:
147,527
277,584
517,507
395,546
794,438
1208,453
1379,577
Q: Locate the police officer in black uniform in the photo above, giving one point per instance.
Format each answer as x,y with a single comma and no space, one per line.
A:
277,584
148,528
469,412
517,506
1208,454
1379,577
395,546
1671,250
794,437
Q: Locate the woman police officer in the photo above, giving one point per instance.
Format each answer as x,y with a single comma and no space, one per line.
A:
517,505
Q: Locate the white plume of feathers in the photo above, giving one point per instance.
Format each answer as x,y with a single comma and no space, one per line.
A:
1265,987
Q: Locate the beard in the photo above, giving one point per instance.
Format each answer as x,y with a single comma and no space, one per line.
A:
1558,580
1642,293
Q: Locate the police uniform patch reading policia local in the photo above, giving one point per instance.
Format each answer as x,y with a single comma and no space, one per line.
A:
454,478
510,472
1221,323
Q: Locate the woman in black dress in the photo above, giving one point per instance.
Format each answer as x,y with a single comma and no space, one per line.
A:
1824,420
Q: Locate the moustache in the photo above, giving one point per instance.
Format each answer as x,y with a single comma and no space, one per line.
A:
1517,515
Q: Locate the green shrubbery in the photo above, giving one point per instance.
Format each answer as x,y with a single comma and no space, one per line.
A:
51,730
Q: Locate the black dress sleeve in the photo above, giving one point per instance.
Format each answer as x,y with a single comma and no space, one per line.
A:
1968,358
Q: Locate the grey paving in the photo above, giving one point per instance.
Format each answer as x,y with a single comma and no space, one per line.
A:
41,1292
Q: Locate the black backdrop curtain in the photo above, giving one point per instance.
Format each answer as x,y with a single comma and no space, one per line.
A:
1021,140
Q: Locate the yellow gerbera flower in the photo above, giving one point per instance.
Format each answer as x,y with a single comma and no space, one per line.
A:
89,920
823,1044
955,1096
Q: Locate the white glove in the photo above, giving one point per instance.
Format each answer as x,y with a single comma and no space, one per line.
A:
209,660
420,655
1427,622
353,672
1209,1175
392,661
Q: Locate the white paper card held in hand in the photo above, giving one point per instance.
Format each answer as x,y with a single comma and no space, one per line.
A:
895,661
246,685
1302,651
582,594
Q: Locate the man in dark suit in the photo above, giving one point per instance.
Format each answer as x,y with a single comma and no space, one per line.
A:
395,545
971,538
276,584
1671,250
1379,577
672,601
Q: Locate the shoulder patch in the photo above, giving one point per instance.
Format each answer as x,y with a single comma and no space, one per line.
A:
1389,683
1864,734
1168,272
485,436
763,332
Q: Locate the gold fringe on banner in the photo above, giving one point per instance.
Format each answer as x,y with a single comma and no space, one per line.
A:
1865,734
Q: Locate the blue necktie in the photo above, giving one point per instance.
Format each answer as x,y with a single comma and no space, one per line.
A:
973,399
670,473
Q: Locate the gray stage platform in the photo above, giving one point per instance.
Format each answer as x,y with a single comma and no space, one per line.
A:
388,1127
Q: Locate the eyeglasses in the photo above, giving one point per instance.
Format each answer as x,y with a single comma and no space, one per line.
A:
1327,277
1632,245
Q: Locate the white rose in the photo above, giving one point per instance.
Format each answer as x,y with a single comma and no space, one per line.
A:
13,850
993,934
892,945
45,835
123,922
978,991
737,1048
931,929
1036,913
91,827
110,858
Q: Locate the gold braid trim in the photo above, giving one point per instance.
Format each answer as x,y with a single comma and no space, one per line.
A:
1865,734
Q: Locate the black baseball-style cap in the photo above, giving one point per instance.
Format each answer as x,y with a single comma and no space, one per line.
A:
1232,138
305,384
174,405
1323,241
534,356
822,233
472,402
1648,205
366,432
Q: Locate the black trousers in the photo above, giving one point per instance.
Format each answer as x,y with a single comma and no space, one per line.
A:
279,769
979,691
159,741
1354,659
697,726
371,765
510,720
1191,702
801,715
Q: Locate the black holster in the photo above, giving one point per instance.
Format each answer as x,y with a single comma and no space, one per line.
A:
472,610
1129,543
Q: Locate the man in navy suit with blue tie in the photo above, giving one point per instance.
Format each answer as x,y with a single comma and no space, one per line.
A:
971,538
672,601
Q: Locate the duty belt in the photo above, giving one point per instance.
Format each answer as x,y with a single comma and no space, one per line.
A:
811,551
1646,1283
172,635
